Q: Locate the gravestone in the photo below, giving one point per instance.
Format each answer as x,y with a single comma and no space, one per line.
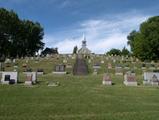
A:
129,79
102,62
118,70
27,61
9,78
152,67
109,66
151,78
69,66
114,60
64,61
53,84
40,71
24,65
107,80
95,71
15,68
32,58
60,69
14,60
80,66
96,67
31,78
143,66
89,61
8,62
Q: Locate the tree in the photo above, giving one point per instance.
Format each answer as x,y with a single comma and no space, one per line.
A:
75,50
19,37
125,52
49,51
145,43
114,52
32,35
9,24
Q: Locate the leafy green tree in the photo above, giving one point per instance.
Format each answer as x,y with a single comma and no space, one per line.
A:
49,51
125,52
145,43
9,23
32,35
114,52
19,37
75,50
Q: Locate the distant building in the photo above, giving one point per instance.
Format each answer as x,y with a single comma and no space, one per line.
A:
84,50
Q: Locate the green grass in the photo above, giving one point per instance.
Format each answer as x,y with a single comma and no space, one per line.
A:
77,97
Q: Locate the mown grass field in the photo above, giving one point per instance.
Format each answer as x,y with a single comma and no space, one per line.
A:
78,98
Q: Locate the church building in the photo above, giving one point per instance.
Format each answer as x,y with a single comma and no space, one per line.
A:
84,50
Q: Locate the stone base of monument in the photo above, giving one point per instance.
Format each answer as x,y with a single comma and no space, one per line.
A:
107,82
130,83
146,82
95,73
127,68
40,73
28,83
53,84
118,73
59,73
5,82
154,83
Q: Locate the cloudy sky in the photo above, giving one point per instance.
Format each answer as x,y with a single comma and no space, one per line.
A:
105,23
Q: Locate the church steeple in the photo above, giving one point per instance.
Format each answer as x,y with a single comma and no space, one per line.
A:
84,41
84,50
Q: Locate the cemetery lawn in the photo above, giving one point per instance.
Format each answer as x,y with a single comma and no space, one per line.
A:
78,98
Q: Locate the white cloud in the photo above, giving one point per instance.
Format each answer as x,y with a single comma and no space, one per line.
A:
102,34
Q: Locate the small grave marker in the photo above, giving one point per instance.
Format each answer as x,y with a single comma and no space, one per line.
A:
107,80
60,69
118,70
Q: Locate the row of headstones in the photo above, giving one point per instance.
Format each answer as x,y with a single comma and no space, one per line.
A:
150,78
143,66
12,78
115,58
118,69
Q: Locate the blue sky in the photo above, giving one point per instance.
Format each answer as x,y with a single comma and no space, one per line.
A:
105,23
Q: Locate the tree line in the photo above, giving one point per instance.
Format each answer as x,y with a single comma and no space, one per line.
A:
19,38
144,43
123,52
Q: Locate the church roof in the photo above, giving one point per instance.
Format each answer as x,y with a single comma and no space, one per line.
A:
84,51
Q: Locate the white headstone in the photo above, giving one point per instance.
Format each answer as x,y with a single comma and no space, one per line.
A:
149,78
12,76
